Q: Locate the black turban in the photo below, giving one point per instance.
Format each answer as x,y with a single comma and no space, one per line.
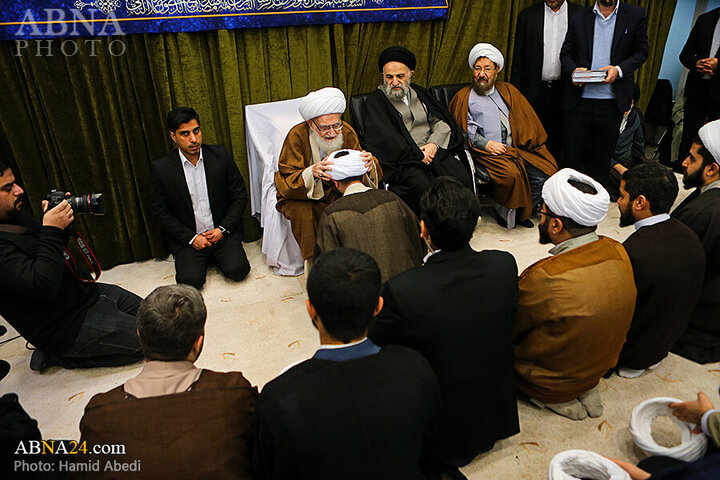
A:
397,54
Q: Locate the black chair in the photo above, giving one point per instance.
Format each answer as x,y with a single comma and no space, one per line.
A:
443,94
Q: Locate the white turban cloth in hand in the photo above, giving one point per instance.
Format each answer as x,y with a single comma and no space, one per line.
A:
486,50
346,164
575,464
692,445
322,102
567,201
710,136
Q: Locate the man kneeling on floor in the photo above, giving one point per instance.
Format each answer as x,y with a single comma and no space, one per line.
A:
354,410
180,421
575,307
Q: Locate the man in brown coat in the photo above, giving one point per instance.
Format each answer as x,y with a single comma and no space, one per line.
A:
169,416
303,176
505,137
575,307
374,221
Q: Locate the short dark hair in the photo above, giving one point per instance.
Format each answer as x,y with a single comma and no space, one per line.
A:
450,211
570,225
4,165
349,180
707,157
180,115
655,182
170,320
344,287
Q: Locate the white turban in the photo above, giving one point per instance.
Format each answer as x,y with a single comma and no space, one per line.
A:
346,164
710,136
322,102
574,464
692,446
486,50
567,201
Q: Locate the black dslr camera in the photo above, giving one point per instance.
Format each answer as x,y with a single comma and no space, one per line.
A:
89,203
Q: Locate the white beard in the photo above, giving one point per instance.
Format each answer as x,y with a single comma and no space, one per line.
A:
327,146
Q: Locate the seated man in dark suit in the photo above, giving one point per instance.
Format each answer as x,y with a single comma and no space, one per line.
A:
150,414
457,310
354,410
409,132
668,264
198,198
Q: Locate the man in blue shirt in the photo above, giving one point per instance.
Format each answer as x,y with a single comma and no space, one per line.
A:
612,37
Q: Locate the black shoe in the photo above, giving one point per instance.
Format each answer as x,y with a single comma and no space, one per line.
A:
39,361
3,330
527,223
4,368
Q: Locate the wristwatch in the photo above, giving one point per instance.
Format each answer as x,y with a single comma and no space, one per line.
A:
223,231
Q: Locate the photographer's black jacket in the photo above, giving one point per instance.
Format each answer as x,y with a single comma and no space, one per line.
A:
39,296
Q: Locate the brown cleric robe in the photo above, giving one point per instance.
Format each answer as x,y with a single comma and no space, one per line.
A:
292,197
507,171
574,310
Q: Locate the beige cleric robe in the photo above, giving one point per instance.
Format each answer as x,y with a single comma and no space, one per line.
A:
507,171
302,199
574,311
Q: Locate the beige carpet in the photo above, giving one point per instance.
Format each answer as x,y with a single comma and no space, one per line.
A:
259,326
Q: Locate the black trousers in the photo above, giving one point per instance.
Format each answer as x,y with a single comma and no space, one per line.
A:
591,132
698,111
228,254
415,179
548,107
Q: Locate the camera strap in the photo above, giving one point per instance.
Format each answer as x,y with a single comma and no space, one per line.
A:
89,259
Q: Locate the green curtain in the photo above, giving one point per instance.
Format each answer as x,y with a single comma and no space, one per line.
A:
94,121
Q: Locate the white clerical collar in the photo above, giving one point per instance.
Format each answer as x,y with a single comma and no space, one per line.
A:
357,187
597,11
560,11
430,254
344,345
574,242
490,92
654,220
184,159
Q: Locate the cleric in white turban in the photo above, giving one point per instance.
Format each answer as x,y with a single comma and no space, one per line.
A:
701,212
321,102
488,51
574,307
303,179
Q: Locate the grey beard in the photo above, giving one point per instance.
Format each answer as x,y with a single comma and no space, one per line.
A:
327,146
394,93
483,89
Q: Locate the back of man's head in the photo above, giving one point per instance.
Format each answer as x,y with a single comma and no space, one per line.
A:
573,228
170,320
450,211
180,115
344,287
653,181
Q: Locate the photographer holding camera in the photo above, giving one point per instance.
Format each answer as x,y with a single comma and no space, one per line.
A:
71,323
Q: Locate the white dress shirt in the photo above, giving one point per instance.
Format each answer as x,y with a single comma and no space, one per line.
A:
197,186
556,25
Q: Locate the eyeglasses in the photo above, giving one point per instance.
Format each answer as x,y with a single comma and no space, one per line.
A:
486,69
326,128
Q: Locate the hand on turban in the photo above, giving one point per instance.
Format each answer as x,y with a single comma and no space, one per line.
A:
565,200
710,136
346,164
486,50
322,102
397,54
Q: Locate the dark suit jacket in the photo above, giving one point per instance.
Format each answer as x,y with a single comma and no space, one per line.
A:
171,198
696,48
527,59
457,310
364,418
629,51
